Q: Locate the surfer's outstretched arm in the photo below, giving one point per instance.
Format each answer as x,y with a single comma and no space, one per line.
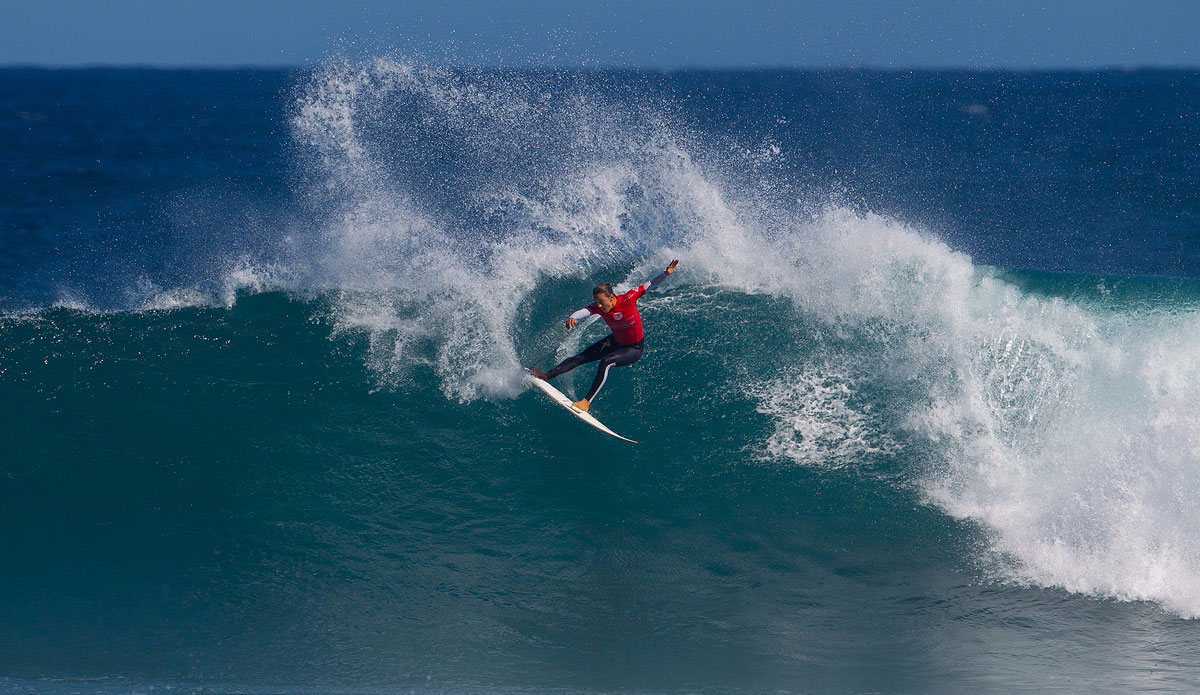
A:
658,279
587,311
640,291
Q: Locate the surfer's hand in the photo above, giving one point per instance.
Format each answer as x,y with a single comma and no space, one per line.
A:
570,323
671,268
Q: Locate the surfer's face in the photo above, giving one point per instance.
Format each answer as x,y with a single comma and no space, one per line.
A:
605,301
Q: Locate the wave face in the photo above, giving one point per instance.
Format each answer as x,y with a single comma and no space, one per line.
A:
282,418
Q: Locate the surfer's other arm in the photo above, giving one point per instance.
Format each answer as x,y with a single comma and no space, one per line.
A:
581,314
587,311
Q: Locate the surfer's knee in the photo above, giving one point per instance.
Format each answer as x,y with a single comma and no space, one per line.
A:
623,358
611,360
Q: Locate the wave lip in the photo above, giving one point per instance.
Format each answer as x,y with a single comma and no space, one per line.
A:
1083,463
1067,427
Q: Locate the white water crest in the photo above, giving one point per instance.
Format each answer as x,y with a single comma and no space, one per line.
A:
1074,436
1071,432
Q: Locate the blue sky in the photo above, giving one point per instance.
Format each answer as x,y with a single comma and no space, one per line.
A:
729,33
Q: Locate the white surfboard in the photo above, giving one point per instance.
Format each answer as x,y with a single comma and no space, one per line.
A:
558,397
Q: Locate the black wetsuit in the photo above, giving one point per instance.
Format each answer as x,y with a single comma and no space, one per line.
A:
609,352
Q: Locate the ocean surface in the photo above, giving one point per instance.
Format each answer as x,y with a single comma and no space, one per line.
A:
919,412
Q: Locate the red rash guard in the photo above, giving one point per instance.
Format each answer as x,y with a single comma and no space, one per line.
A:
624,320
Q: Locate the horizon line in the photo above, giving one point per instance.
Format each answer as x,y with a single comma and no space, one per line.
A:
232,67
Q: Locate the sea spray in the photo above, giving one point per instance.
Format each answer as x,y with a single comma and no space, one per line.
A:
1047,422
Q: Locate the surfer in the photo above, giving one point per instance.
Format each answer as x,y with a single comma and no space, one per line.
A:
621,347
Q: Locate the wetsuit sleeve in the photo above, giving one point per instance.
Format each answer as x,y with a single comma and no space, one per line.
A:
656,281
582,313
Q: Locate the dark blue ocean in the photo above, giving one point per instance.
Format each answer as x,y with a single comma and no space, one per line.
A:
918,413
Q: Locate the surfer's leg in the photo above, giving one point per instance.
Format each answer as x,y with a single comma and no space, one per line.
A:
622,356
594,352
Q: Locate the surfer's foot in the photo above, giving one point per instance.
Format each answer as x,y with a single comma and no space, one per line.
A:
539,373
582,405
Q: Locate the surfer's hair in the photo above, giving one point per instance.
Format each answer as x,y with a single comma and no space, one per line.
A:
603,288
